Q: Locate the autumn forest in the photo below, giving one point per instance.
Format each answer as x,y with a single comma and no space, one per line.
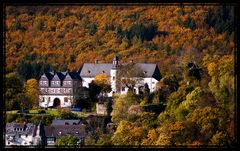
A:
200,106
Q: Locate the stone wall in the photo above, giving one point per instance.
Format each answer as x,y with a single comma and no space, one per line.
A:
101,108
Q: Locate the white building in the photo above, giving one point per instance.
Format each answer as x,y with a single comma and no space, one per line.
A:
59,89
62,88
90,70
22,134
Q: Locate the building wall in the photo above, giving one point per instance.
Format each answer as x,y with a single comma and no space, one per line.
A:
101,108
49,100
151,84
86,81
24,140
113,74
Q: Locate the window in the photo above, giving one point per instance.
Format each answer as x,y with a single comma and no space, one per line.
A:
113,78
103,71
153,82
26,135
66,123
65,99
89,71
8,142
43,99
19,135
123,88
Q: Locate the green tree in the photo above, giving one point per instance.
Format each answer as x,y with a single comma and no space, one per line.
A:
121,105
68,115
14,92
66,141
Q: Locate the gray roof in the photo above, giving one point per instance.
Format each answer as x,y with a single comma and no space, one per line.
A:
147,68
46,76
60,76
14,128
64,130
91,69
72,75
64,122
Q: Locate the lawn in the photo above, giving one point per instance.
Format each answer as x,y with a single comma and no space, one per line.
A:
34,111
52,112
12,112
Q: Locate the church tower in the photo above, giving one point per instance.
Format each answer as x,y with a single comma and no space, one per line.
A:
113,74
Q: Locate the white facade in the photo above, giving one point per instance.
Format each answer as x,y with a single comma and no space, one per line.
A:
59,89
151,85
149,80
48,100
113,74
86,81
20,138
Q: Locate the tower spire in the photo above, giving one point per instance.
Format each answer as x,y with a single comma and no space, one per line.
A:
115,61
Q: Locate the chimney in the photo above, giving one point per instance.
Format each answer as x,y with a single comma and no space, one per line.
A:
96,61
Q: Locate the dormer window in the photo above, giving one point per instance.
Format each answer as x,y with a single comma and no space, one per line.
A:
103,71
89,71
145,72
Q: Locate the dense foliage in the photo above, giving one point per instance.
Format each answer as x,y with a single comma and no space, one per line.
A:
192,45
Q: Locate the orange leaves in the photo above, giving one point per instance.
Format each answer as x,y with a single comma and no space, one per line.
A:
102,78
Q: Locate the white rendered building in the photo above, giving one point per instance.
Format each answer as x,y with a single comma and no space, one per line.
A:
22,134
59,89
62,88
90,70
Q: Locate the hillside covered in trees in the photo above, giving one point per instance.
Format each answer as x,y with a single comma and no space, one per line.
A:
199,104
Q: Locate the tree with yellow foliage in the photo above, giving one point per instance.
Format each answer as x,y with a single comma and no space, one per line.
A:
32,91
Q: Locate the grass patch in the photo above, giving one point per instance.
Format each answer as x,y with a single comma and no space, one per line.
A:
33,111
12,112
52,112
81,114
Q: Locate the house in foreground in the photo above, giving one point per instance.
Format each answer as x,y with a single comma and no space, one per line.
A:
21,134
64,128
